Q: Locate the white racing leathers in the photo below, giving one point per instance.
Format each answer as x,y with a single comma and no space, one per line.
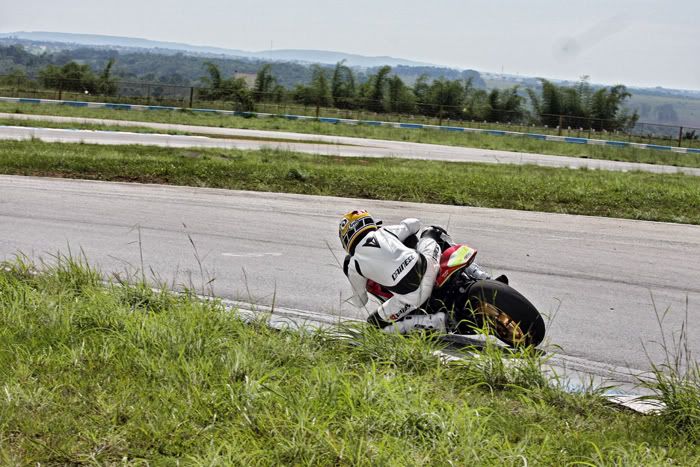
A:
409,274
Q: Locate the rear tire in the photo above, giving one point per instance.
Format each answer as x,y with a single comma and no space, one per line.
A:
506,312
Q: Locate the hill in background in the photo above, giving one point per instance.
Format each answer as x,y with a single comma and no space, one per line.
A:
180,67
183,64
291,55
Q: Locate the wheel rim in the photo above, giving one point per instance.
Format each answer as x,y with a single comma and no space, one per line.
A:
505,327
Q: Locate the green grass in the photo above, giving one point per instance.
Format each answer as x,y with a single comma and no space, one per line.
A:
518,144
676,380
137,129
636,195
106,375
683,105
82,126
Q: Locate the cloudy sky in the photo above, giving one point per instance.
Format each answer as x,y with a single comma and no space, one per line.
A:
635,42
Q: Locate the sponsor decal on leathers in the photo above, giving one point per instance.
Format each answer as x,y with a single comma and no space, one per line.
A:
402,266
398,314
372,242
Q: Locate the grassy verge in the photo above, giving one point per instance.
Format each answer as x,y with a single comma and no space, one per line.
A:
518,144
357,114
104,375
81,126
137,129
673,198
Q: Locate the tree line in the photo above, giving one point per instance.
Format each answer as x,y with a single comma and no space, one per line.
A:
458,99
380,91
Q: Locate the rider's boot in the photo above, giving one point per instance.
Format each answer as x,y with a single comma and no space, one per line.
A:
435,322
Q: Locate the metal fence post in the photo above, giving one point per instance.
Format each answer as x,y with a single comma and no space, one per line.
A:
561,123
191,95
680,137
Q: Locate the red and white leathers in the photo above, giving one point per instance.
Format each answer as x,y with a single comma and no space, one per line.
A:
409,274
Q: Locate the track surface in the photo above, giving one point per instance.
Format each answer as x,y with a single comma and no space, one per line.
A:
596,275
309,143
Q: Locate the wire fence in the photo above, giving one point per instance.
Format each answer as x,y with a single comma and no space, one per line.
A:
163,94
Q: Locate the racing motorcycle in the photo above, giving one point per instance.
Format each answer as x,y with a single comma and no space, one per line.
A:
472,304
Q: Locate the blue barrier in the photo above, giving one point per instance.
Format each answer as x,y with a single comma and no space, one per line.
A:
328,120
75,103
660,148
536,136
576,140
413,126
620,144
118,106
27,100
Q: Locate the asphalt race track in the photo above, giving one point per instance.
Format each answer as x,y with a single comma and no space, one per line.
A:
308,143
602,281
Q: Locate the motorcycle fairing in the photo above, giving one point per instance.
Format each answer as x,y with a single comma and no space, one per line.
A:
452,260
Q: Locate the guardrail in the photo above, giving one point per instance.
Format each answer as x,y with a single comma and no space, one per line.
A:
345,121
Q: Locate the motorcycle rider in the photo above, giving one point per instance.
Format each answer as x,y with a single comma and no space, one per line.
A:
379,254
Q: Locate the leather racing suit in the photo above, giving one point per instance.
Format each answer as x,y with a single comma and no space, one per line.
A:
409,274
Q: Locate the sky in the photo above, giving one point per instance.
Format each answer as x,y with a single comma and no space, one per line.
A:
633,42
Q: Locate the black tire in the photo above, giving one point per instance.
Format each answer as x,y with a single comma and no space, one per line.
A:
525,326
